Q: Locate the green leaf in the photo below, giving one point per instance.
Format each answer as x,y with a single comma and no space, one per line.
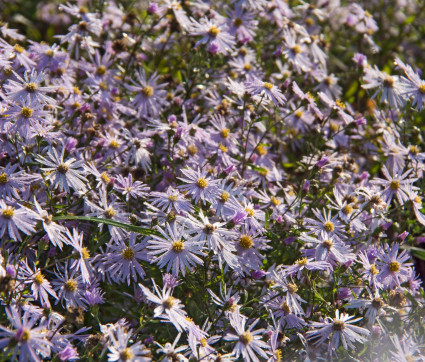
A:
267,220
129,227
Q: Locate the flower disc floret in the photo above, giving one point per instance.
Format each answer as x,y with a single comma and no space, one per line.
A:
178,246
245,241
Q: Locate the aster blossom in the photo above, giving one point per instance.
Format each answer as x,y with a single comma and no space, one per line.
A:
175,249
338,330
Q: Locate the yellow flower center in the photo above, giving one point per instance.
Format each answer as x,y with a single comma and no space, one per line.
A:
203,342
224,196
340,104
250,211
101,70
192,150
4,179
128,253
48,219
168,303
327,244
31,87
302,261
296,49
224,133
417,199
247,66
147,91
209,229
292,288
26,335
299,114
395,185
223,148
214,31
263,172
268,85
202,183
172,198
39,279
285,307
8,213
275,201
26,112
246,338
394,266
105,178
18,48
388,82
63,168
71,285
126,354
85,253
246,242
373,269
413,149
347,209
422,88
178,246
114,144
49,53
278,355
237,22
109,213
338,325
329,227
261,150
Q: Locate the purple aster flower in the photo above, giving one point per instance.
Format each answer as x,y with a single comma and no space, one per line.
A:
170,281
396,184
326,225
212,33
121,262
242,23
390,87
69,286
199,185
69,353
393,267
338,329
120,350
82,255
170,200
16,218
269,90
27,339
28,89
63,174
40,286
112,210
175,249
93,296
248,341
13,181
305,263
167,306
249,244
128,187
28,119
150,96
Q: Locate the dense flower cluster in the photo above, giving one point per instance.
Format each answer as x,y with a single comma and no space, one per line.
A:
213,181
